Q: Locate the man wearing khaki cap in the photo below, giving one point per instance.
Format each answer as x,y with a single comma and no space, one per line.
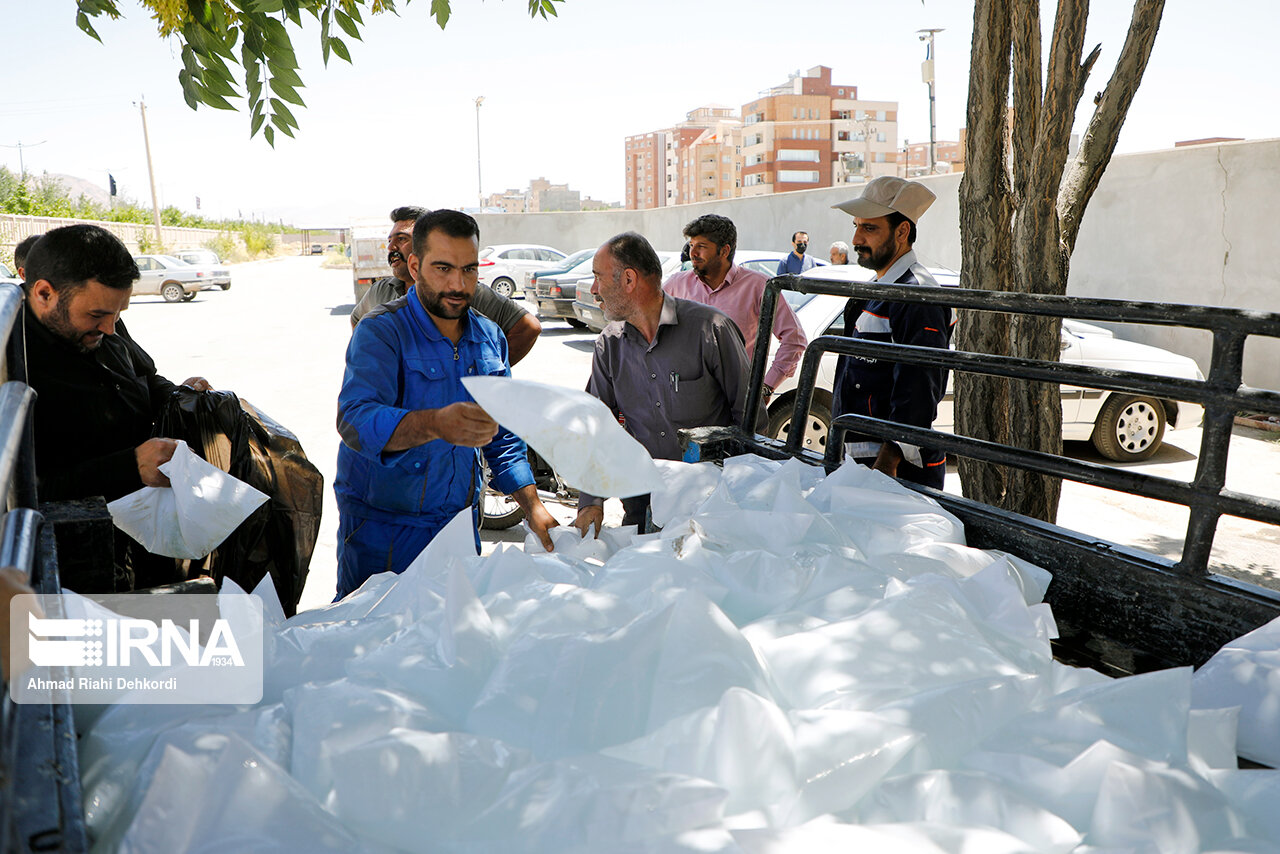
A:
885,218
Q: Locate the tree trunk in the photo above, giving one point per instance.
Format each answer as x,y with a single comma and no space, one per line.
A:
1019,217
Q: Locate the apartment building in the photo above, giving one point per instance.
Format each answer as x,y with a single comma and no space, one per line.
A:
805,133
810,132
916,158
672,166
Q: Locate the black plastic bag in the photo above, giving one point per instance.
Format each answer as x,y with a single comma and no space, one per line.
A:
279,537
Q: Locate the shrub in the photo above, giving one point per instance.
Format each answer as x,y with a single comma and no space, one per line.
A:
223,245
258,239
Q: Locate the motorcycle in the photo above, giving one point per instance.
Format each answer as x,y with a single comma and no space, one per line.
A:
499,511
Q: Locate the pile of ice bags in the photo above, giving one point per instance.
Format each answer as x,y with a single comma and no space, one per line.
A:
794,664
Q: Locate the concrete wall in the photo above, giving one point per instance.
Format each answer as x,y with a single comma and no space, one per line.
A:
1185,225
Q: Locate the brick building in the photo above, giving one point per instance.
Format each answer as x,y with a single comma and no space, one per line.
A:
805,133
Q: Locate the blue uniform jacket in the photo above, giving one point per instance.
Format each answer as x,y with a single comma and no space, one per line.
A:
397,362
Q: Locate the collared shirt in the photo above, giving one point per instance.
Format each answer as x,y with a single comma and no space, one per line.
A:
795,265
496,307
739,296
693,374
397,362
94,409
895,391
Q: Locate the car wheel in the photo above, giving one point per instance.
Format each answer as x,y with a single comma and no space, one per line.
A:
575,323
226,287
190,295
1129,428
503,287
816,428
172,292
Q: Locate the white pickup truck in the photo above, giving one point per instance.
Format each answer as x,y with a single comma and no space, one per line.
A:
368,257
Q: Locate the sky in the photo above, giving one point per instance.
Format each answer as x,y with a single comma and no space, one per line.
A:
560,96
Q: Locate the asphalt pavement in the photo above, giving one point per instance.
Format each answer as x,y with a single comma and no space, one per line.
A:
278,338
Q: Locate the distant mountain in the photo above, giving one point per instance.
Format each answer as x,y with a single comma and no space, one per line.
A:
77,187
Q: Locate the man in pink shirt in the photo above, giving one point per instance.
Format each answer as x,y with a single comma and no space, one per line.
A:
716,281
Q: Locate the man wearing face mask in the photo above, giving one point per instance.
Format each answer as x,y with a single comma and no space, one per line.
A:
885,218
796,261
519,326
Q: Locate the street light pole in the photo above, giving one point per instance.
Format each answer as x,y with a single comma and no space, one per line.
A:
22,164
151,173
926,71
479,182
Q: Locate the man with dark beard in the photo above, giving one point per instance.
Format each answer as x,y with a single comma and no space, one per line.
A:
520,327
411,435
99,393
885,218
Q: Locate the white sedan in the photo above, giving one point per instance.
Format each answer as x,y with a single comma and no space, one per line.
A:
502,265
1122,426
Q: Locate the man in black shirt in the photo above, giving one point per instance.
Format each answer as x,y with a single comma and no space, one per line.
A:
98,391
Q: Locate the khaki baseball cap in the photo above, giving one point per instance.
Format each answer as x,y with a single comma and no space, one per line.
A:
885,195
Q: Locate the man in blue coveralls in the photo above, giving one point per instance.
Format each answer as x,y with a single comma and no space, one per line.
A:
411,435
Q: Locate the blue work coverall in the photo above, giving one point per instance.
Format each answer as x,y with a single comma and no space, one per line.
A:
392,503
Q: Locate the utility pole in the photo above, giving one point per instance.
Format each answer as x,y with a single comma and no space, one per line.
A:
22,166
151,173
926,72
479,183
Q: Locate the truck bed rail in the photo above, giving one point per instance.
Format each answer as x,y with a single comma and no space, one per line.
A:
1119,608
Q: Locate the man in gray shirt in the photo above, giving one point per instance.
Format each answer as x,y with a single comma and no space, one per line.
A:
520,327
661,365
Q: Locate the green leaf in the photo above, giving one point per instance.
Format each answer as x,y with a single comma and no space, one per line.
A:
82,21
288,75
255,123
285,91
188,88
267,7
440,11
549,8
348,25
340,49
282,126
219,84
276,34
354,11
324,50
269,133
281,113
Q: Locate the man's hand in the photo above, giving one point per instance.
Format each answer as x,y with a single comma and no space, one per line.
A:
888,459
591,515
463,424
466,425
197,383
151,454
536,513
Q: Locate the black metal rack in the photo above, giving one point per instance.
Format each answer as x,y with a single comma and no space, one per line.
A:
40,800
1117,607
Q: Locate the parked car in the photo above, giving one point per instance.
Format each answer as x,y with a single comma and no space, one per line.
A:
586,308
1123,427
502,265
316,249
7,275
175,279
565,265
198,257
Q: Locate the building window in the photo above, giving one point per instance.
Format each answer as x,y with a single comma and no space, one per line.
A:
796,176
807,155
880,115
842,136
880,137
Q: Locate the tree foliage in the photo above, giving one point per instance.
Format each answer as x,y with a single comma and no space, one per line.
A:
1021,203
243,48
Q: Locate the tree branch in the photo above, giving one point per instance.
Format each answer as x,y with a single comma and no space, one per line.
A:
1028,91
1100,139
1060,100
